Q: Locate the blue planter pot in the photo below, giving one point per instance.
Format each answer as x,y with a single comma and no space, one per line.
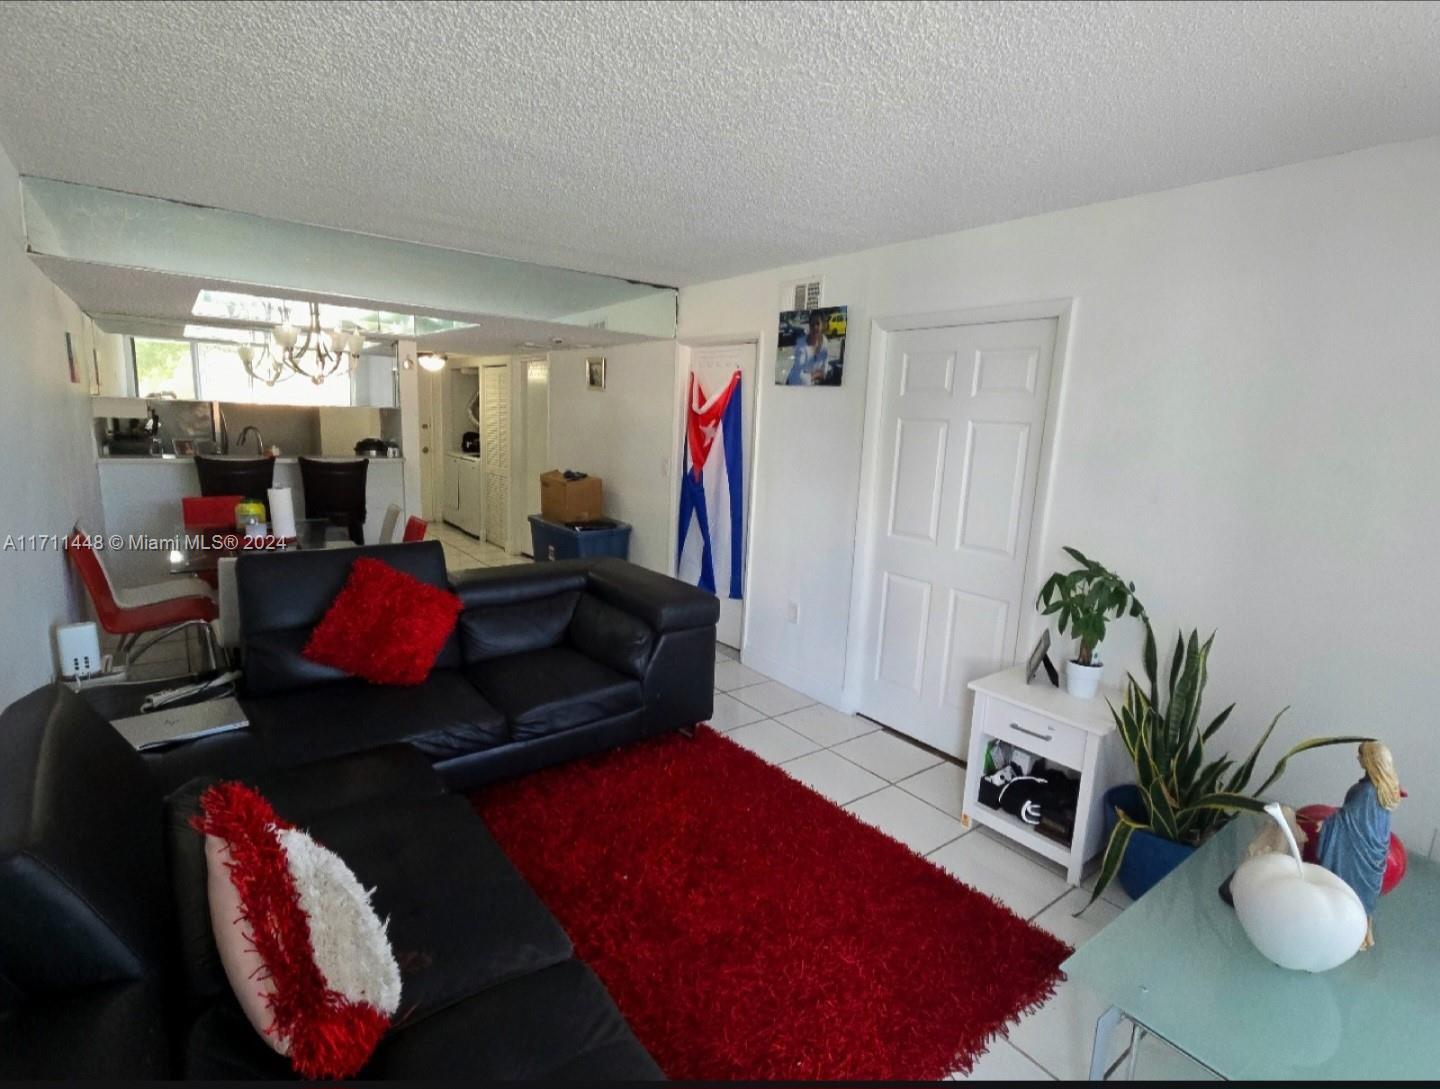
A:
1148,858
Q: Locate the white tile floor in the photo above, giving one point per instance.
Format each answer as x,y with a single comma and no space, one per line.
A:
464,552
913,795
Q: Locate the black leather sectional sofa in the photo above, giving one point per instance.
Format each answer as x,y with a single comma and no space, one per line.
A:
548,662
107,964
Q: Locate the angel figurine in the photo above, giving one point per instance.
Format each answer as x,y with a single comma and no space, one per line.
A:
1354,839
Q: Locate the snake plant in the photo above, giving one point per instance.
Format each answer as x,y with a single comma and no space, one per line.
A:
1187,796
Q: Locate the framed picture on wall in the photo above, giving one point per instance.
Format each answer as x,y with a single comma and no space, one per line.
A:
595,372
810,350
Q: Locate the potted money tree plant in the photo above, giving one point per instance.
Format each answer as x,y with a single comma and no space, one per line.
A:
1083,602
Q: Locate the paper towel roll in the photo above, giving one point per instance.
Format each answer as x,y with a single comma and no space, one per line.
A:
282,513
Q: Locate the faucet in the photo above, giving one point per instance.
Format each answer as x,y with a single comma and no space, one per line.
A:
259,442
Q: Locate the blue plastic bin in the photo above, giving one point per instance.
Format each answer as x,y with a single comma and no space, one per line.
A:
558,541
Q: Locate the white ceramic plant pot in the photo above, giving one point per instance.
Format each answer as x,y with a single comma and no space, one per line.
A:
1083,681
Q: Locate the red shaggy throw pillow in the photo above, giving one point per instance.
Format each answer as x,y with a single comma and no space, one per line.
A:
384,625
304,951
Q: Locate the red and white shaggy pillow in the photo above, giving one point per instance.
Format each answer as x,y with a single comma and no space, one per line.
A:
303,949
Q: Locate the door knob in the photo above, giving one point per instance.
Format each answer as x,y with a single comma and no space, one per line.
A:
424,449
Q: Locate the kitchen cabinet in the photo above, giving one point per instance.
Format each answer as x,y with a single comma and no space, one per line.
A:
464,498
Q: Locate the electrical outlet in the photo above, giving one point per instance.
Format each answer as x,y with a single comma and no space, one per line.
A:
792,613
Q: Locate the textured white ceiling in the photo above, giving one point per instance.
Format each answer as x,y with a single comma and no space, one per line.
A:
678,142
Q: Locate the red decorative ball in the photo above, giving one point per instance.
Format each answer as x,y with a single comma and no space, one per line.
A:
1310,818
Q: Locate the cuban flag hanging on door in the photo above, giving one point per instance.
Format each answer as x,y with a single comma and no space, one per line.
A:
711,510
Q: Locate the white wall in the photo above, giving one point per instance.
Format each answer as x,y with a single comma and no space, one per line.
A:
48,479
624,435
1247,428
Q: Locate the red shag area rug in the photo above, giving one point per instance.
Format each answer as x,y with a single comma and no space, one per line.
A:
748,928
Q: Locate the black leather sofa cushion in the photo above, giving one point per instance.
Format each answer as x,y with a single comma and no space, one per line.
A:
392,773
235,754
660,601
294,589
274,663
444,717
497,1036
555,1025
461,918
611,636
519,582
81,862
494,631
289,591
102,1032
547,691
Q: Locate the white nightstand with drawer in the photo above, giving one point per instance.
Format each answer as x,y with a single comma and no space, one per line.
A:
1077,734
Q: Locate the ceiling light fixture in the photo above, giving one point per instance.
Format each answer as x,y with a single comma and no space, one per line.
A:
432,363
317,354
260,365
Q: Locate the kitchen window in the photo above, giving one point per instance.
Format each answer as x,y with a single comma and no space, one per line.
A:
200,370
162,368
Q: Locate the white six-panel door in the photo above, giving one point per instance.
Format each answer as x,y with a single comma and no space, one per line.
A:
962,416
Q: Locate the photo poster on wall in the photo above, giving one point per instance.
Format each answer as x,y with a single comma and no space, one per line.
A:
810,350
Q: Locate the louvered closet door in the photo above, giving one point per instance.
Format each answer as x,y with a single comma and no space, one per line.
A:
962,418
495,424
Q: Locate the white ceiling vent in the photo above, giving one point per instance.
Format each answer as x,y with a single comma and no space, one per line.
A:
802,294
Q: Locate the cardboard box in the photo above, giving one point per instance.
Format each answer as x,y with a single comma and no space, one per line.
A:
564,500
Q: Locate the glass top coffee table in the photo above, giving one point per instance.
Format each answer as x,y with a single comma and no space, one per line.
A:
200,551
1177,965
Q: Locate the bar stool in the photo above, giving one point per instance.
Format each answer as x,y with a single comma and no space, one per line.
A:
335,491
250,477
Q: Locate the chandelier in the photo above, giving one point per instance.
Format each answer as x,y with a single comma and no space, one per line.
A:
313,353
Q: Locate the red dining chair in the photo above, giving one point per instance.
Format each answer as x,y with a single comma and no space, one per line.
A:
414,529
209,516
158,609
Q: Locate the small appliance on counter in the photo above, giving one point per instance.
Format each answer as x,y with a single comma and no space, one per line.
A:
470,442
372,448
126,437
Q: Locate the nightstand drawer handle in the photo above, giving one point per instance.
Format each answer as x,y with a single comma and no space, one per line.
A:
1030,733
